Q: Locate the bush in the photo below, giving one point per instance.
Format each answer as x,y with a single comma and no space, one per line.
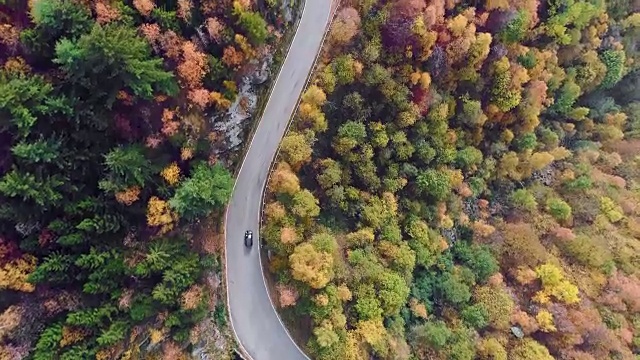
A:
497,303
586,251
529,349
475,316
522,199
559,209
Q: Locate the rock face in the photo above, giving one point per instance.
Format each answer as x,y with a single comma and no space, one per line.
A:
232,124
215,341
287,9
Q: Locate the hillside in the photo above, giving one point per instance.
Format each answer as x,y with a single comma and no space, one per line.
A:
112,157
461,181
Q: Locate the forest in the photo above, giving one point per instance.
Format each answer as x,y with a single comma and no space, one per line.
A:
462,181
107,167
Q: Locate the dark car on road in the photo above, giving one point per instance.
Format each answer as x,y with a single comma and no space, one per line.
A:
248,238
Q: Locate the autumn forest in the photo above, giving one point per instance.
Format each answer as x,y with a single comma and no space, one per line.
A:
109,165
462,181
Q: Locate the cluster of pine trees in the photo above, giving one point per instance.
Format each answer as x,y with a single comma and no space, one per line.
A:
106,163
462,181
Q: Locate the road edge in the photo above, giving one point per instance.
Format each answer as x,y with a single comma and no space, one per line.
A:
244,353
334,7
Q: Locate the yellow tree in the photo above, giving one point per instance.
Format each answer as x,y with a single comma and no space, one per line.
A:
545,320
171,174
159,214
497,302
309,109
540,160
314,96
360,238
312,117
14,273
555,285
325,334
374,334
313,267
296,150
283,180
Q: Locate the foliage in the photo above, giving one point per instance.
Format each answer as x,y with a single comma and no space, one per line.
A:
530,349
614,61
524,200
482,156
105,172
115,53
207,189
559,209
554,284
497,303
311,265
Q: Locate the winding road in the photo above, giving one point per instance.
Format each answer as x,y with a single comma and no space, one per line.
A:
253,317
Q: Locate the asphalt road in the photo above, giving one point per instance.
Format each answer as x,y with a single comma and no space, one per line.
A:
253,317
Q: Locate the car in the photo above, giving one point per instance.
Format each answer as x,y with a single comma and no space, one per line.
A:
248,238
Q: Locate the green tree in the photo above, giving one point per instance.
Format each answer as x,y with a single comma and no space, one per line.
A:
516,29
331,173
350,134
477,258
207,189
471,114
126,166
559,209
43,191
54,20
24,99
254,26
614,60
522,199
110,59
433,334
475,316
453,290
468,157
392,292
461,344
424,241
566,98
344,69
48,342
39,151
435,183
305,205
367,304
527,141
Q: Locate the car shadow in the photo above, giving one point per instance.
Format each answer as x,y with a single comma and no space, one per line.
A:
247,250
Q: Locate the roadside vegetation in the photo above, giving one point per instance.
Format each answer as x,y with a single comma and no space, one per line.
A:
462,181
106,165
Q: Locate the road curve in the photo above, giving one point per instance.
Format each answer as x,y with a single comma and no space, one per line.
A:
253,318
